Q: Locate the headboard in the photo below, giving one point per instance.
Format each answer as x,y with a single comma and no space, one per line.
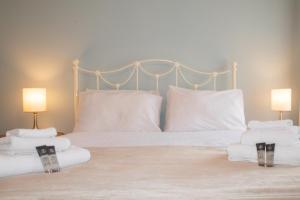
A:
137,67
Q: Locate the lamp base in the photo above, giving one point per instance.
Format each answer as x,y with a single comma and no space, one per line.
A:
35,121
280,115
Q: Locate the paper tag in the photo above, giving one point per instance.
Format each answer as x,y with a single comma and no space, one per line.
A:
53,159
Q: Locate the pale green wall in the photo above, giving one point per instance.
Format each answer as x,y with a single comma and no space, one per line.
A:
296,58
39,39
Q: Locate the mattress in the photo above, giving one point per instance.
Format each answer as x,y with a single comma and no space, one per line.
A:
124,139
152,172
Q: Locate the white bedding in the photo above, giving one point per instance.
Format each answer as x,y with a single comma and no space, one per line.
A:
202,110
123,139
162,173
118,110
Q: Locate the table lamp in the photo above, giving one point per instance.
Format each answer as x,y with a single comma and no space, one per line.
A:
34,101
281,100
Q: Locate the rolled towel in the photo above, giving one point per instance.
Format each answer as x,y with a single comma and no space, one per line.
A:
278,136
270,124
18,145
21,164
289,155
33,133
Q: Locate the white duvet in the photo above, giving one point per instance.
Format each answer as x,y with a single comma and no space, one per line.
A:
157,173
124,139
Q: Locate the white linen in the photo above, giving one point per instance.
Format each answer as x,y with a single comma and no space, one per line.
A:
33,133
120,139
118,111
289,155
21,164
280,136
190,110
157,173
270,124
19,145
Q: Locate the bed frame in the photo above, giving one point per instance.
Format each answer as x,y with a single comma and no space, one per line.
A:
138,67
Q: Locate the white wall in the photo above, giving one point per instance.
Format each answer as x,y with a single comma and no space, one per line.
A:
39,40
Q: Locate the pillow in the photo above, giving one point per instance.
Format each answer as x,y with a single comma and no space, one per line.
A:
190,110
118,111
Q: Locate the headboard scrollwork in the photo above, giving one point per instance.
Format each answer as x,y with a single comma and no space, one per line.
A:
138,67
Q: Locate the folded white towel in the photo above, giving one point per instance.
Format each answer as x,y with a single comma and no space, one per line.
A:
270,124
282,136
289,155
33,133
19,145
21,164
294,129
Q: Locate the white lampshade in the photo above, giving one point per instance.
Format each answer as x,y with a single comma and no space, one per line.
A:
281,99
34,100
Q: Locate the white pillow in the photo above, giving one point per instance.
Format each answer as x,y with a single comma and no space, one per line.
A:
190,110
118,111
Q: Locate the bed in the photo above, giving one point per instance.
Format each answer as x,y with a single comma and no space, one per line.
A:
157,173
218,139
156,165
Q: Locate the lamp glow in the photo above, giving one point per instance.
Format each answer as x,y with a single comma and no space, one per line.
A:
281,100
34,100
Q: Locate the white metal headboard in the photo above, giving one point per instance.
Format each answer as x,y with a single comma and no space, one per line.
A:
137,67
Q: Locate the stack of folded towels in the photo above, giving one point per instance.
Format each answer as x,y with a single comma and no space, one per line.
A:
282,133
18,151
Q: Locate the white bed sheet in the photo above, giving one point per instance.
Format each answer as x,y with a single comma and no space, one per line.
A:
124,139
